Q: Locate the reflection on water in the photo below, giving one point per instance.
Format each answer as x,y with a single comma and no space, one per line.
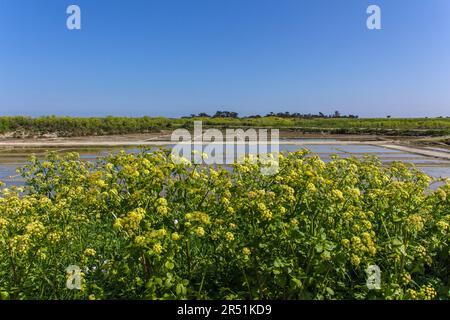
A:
10,160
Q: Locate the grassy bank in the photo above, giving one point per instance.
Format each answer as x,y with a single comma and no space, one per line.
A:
20,126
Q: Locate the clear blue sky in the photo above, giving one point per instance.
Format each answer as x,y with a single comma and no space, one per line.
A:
177,57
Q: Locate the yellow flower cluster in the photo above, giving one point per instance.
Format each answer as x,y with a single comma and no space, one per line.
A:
426,292
157,248
90,252
175,236
415,223
162,206
406,278
200,232
131,221
337,194
130,171
229,236
197,216
311,188
266,214
3,223
35,228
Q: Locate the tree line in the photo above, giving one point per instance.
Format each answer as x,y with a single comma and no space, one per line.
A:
287,114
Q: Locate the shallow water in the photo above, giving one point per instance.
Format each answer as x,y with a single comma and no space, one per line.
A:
10,160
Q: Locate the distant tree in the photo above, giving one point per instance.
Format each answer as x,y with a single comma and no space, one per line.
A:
225,114
336,114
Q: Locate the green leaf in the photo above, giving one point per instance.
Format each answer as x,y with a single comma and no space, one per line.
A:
178,289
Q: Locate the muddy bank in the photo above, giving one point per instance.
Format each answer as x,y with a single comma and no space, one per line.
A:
421,146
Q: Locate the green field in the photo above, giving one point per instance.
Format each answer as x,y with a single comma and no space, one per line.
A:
76,126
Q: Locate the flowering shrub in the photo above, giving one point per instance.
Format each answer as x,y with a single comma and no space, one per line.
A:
141,227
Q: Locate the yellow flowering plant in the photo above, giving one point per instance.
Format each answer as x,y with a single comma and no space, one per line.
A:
140,226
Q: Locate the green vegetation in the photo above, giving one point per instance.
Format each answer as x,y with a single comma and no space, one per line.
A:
439,126
140,226
68,126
